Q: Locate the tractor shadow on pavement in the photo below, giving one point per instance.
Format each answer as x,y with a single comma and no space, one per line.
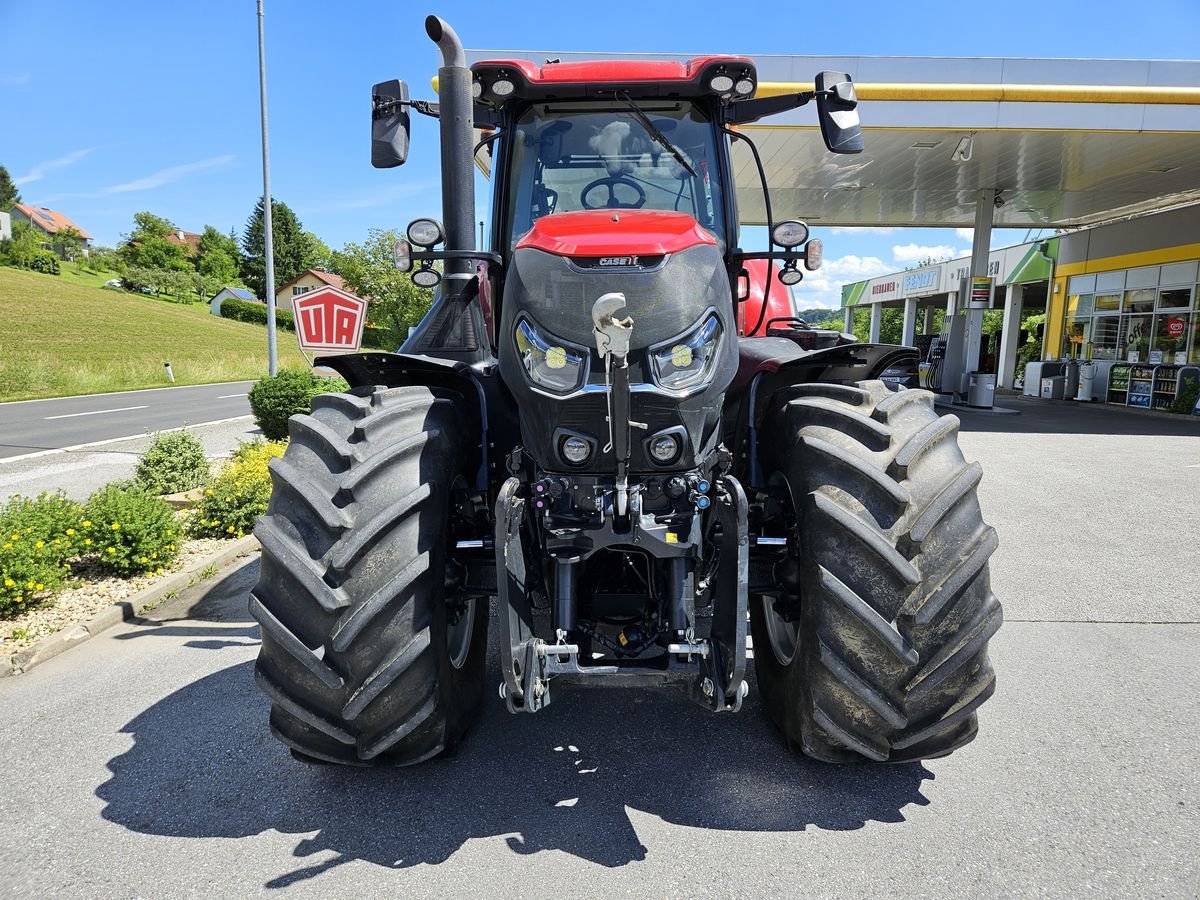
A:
204,765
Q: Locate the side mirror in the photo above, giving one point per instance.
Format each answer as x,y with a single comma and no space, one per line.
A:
389,124
837,110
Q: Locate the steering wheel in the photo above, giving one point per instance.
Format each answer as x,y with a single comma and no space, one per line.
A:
611,183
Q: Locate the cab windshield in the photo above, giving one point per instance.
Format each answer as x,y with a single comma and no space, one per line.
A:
572,156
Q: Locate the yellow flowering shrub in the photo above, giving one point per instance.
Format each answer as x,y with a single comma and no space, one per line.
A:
130,530
239,494
37,537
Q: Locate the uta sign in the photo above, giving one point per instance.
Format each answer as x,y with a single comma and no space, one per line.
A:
328,319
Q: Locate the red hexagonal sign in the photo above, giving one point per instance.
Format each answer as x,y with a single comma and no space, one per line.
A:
329,319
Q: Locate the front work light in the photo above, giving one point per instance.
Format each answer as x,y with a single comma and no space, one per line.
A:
791,233
721,84
425,232
790,275
575,450
549,364
502,88
426,278
664,448
688,361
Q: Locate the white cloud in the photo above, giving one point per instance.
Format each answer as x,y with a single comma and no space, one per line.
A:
824,287
966,234
40,170
864,229
911,253
15,80
167,176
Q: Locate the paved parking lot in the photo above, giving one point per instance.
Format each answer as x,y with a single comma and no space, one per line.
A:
139,764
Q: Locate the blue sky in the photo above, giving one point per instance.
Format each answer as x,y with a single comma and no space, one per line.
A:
108,109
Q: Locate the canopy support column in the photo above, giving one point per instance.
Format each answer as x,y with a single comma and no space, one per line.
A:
876,322
1010,336
908,332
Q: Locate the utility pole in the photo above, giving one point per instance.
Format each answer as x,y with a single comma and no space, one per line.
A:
268,236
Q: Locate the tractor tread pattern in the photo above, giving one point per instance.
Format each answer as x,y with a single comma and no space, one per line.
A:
896,611
353,655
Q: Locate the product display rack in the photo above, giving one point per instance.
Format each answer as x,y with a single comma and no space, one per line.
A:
1142,386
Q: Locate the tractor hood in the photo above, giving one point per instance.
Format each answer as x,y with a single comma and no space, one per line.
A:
612,236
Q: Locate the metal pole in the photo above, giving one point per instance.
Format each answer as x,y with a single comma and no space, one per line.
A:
268,237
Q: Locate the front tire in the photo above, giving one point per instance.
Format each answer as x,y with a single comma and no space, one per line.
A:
882,654
368,653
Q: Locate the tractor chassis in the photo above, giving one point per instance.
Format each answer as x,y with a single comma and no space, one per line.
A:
709,663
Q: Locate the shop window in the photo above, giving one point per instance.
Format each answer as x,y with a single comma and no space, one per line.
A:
1135,337
1175,298
1171,336
1106,334
1076,336
1112,302
1139,301
1194,355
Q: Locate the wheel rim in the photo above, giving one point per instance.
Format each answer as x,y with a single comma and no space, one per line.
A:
782,635
458,635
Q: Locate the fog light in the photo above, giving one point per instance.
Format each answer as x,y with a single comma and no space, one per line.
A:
575,450
426,278
664,448
502,88
721,84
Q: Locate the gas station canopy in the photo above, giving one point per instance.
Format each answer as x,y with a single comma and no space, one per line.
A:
1065,142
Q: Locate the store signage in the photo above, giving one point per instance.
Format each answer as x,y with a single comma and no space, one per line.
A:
885,290
962,272
1155,357
329,319
923,282
981,292
1175,327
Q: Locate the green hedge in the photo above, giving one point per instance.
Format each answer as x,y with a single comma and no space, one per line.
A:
274,400
256,313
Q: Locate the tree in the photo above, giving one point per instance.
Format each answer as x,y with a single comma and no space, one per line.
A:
319,255
66,242
369,269
8,191
217,256
292,249
147,247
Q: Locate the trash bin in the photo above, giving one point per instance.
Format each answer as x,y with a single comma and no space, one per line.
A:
1071,388
1052,388
981,390
1087,382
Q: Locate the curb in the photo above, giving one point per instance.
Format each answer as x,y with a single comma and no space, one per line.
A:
54,644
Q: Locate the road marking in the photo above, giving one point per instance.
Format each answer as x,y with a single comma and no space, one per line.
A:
231,396
178,387
116,440
96,412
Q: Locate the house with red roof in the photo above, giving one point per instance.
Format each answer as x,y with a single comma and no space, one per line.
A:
308,280
50,223
188,240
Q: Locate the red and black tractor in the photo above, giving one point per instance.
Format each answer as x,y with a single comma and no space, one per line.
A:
612,430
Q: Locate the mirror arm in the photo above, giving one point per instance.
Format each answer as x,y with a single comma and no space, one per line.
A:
744,111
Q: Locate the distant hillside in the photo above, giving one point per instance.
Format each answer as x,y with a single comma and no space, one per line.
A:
61,338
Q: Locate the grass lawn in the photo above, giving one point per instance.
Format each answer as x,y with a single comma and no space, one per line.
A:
63,336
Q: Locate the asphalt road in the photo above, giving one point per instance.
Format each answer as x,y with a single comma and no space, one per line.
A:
139,763
29,426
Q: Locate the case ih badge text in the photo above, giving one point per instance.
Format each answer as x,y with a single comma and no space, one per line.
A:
329,319
618,260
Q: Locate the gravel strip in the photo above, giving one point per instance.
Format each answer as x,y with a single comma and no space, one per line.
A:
95,592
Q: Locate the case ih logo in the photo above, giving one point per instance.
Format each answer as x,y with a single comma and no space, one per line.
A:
329,319
618,260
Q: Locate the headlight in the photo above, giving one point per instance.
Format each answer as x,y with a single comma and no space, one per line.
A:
549,363
688,361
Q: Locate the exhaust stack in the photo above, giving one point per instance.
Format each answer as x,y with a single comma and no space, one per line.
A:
456,116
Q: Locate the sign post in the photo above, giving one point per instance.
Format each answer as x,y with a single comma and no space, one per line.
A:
329,320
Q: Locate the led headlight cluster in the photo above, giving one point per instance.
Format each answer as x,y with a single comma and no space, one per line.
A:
688,361
550,364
